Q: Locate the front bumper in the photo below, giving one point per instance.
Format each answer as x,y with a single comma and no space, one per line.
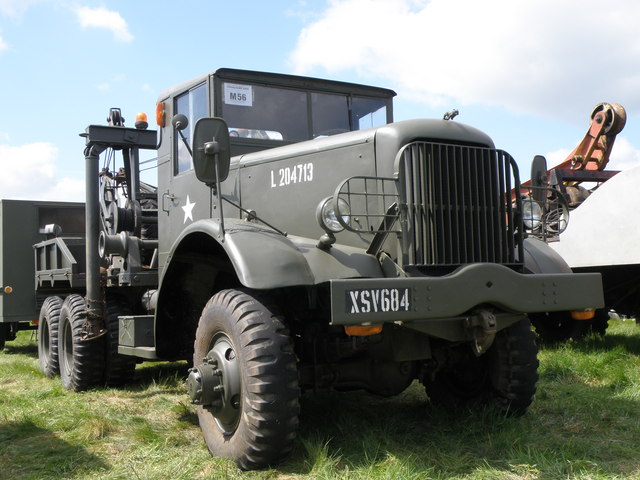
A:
422,299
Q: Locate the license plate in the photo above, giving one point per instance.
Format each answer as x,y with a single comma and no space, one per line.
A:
378,300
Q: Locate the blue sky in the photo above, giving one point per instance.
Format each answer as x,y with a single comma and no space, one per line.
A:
527,72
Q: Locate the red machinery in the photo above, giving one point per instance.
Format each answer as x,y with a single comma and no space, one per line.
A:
587,161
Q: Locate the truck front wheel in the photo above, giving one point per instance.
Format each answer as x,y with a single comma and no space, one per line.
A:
80,361
505,376
48,324
245,380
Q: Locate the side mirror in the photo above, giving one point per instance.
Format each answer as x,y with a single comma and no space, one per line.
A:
211,145
539,178
180,122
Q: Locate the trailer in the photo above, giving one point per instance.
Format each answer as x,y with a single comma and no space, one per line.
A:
23,224
602,238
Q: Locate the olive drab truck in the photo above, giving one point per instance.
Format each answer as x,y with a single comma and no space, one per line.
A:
299,239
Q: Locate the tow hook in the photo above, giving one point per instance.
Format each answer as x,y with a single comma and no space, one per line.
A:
204,384
483,328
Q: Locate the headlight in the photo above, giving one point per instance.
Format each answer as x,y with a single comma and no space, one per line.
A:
328,218
531,213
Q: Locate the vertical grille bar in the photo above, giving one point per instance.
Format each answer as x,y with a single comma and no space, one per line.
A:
456,205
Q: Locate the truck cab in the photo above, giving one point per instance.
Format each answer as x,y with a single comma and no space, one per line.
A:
263,111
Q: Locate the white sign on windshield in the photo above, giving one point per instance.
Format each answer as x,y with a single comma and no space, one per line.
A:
237,94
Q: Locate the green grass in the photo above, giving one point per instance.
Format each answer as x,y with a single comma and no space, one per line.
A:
584,424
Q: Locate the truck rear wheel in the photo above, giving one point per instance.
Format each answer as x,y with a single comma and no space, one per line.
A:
245,380
4,327
600,322
48,323
119,369
558,326
80,361
505,376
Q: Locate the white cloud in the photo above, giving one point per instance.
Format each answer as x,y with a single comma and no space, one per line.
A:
114,80
15,8
107,19
32,172
556,157
3,45
531,56
623,155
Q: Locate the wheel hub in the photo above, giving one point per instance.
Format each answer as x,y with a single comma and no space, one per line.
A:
215,383
204,384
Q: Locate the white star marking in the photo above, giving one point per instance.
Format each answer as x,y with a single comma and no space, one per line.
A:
188,210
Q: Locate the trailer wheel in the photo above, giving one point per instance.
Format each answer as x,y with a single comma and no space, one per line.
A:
80,361
245,380
505,376
48,323
119,369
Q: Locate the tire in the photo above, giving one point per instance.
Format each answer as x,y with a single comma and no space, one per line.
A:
257,421
505,376
555,327
80,361
48,323
4,327
119,369
600,322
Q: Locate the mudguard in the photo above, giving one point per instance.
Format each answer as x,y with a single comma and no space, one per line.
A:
265,259
541,258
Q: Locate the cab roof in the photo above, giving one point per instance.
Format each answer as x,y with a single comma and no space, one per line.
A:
284,80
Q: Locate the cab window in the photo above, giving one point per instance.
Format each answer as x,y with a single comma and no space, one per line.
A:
261,112
265,113
368,113
330,114
192,104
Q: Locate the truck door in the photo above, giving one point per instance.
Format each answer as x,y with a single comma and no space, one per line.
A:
183,199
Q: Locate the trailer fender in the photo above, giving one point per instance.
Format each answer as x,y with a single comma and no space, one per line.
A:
541,258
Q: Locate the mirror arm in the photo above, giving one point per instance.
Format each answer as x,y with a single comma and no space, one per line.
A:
184,140
217,192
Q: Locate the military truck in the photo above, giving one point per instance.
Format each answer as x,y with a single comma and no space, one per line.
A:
299,239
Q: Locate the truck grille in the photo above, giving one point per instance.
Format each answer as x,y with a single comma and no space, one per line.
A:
455,206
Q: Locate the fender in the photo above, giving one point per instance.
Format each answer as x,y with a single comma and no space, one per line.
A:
541,258
264,259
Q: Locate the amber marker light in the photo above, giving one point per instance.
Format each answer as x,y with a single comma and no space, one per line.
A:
8,289
583,314
160,115
362,331
141,121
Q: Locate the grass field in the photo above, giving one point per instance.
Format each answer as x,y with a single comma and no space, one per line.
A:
584,424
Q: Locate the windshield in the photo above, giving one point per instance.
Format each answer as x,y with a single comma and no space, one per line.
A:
286,114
